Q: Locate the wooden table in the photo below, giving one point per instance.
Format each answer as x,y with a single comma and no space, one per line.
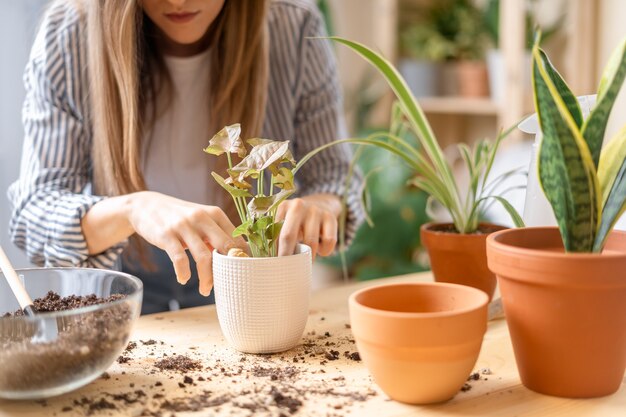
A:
195,332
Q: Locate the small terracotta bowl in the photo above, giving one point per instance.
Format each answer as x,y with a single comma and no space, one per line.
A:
420,341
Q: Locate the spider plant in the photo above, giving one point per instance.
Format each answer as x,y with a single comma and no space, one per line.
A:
433,172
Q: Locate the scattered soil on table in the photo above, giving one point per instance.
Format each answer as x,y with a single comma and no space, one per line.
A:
235,384
84,343
475,376
179,363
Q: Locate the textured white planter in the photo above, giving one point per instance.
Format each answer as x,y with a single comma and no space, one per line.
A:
263,303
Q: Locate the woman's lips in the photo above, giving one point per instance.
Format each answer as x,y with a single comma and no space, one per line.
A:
182,17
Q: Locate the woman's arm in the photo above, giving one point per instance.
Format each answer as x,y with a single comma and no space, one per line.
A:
166,222
319,120
52,194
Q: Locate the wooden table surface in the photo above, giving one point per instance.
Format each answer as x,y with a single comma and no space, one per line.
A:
338,387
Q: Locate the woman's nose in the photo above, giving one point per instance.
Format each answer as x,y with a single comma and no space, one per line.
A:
177,3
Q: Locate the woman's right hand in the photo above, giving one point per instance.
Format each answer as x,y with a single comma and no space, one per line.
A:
175,225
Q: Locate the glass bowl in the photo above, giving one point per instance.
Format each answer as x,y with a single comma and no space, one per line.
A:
86,341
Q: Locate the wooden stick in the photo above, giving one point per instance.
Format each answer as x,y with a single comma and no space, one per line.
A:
14,282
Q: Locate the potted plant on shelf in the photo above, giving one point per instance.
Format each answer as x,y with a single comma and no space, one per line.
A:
564,289
262,301
457,249
423,48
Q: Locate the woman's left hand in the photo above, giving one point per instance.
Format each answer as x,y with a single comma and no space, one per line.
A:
311,220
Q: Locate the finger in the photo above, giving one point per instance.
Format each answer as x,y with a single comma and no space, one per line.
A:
218,238
328,236
312,228
282,209
288,239
177,255
203,257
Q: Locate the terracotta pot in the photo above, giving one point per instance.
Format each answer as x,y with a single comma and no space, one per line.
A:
566,312
459,258
263,303
420,341
473,79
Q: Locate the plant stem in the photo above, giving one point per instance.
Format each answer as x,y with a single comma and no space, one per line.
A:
230,161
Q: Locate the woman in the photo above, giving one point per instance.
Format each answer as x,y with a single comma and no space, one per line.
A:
122,95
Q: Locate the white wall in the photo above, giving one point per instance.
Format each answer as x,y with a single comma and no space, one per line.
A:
19,22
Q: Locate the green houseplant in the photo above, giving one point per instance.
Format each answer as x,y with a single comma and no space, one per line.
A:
465,236
244,284
564,289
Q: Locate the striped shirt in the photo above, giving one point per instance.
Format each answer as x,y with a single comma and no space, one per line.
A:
53,191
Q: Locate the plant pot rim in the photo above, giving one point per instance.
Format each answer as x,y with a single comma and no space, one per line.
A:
494,241
404,315
428,228
304,250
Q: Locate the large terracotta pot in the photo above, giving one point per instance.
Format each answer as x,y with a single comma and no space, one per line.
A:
566,312
420,341
459,258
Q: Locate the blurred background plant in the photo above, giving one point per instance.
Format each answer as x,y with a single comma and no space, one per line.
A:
491,16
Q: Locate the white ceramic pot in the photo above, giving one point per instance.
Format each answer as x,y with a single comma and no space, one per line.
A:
263,303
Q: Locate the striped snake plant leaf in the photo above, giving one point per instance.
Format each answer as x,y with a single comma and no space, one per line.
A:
611,174
569,99
612,78
566,170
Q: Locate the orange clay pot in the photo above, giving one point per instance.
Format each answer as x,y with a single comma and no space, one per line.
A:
419,341
459,258
566,312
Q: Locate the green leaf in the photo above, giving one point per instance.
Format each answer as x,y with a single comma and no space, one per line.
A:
260,224
566,169
610,174
243,228
235,192
227,140
569,99
283,178
517,219
613,209
612,79
611,160
260,205
272,232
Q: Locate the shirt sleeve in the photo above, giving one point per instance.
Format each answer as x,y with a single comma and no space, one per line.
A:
319,120
52,194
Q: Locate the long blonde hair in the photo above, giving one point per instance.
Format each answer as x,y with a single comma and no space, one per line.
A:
125,69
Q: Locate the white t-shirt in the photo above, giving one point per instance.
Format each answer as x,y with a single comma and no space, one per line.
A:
173,160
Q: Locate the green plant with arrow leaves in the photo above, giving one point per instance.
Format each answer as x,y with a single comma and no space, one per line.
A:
585,184
257,212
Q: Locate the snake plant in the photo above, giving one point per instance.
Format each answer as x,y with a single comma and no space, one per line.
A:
585,184
433,172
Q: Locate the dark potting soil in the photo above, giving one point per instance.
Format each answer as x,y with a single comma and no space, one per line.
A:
483,229
179,363
83,344
234,384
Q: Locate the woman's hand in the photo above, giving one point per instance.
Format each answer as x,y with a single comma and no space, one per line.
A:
175,225
166,222
311,220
